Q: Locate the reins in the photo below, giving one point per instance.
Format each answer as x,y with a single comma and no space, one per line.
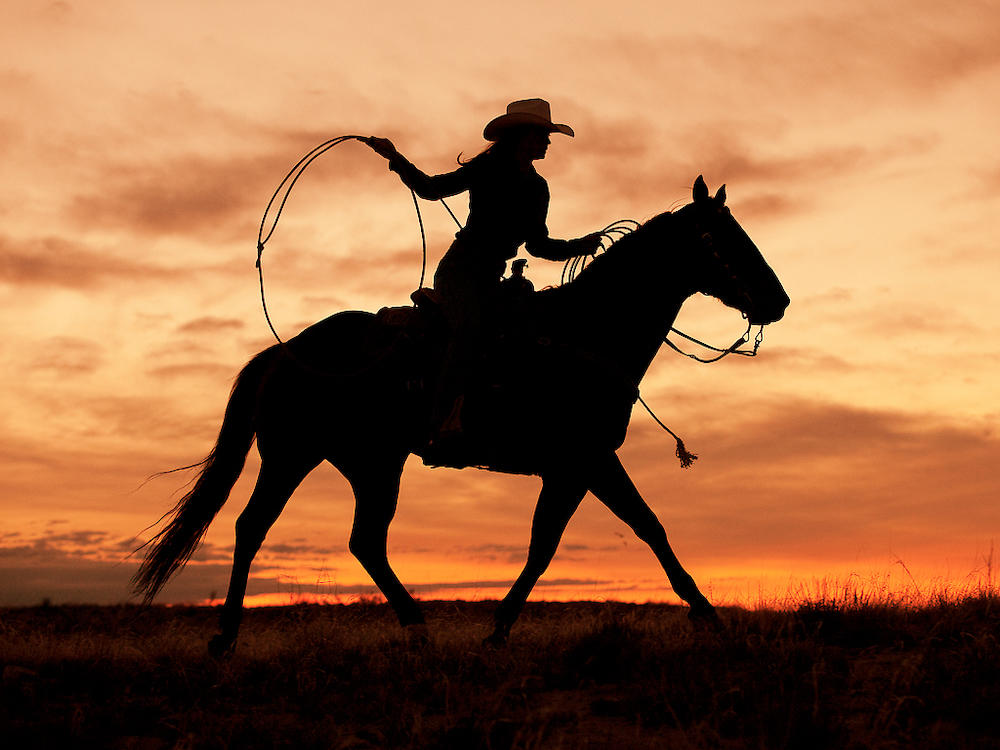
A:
733,349
615,231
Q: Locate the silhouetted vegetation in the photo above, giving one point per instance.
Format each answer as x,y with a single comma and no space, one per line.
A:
827,674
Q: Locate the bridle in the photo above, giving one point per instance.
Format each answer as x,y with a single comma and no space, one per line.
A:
618,229
705,240
733,349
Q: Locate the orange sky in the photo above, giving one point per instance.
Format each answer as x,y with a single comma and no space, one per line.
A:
140,143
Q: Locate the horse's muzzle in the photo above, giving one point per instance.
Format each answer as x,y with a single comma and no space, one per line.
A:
762,315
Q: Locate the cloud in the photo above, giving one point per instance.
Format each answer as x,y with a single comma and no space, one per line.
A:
816,430
814,480
120,429
219,195
789,360
625,166
210,324
77,543
10,136
82,538
506,584
516,553
296,549
927,46
190,357
852,58
209,370
57,11
738,105
989,181
66,356
98,553
764,166
52,261
183,196
93,567
764,206
894,324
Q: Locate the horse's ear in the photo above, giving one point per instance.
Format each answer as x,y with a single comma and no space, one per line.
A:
720,197
700,191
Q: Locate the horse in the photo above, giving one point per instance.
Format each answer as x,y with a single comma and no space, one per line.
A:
353,391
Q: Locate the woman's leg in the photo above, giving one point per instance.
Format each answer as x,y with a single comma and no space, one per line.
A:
465,297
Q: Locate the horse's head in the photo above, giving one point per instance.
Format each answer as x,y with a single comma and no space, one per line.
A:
728,265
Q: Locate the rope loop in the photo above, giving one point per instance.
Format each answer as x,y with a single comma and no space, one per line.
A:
284,190
611,233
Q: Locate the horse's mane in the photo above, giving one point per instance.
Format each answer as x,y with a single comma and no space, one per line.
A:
612,265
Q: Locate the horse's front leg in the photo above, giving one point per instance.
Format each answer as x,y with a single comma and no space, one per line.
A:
611,484
560,497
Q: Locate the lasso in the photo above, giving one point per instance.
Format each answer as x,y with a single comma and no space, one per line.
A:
284,190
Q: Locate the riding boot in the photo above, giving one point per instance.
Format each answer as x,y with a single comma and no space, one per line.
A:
452,424
447,445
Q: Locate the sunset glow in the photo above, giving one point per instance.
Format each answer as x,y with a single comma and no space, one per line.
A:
858,145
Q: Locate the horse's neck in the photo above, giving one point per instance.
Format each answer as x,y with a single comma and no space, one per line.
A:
624,306
633,332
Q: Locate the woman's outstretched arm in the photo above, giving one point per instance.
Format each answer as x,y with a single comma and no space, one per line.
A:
426,186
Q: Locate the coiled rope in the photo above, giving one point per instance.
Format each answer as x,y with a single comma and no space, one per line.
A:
610,234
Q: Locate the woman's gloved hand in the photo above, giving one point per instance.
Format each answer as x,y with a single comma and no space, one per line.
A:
381,146
591,243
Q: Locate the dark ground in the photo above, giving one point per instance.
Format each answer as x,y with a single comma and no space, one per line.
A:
578,675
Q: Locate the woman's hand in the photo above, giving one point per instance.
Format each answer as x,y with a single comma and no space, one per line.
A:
591,243
381,146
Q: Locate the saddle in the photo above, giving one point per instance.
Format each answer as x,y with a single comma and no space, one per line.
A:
427,305
517,396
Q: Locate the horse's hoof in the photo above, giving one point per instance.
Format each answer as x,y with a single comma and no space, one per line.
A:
417,635
496,639
221,646
705,617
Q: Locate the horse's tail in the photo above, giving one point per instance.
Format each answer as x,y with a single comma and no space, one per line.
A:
173,546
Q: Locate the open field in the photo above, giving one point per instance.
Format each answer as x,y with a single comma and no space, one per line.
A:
578,675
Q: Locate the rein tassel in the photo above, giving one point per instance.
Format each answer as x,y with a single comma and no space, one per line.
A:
686,457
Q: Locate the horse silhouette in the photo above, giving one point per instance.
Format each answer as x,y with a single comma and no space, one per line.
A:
354,391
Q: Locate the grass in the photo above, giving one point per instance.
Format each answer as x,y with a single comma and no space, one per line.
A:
834,672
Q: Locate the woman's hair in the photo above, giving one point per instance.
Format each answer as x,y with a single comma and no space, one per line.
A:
504,145
482,154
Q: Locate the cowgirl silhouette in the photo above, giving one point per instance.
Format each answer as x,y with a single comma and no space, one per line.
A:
508,204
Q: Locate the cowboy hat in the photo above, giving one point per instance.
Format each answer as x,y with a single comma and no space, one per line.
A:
525,112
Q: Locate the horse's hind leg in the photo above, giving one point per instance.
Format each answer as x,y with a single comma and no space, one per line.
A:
277,480
376,490
613,487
